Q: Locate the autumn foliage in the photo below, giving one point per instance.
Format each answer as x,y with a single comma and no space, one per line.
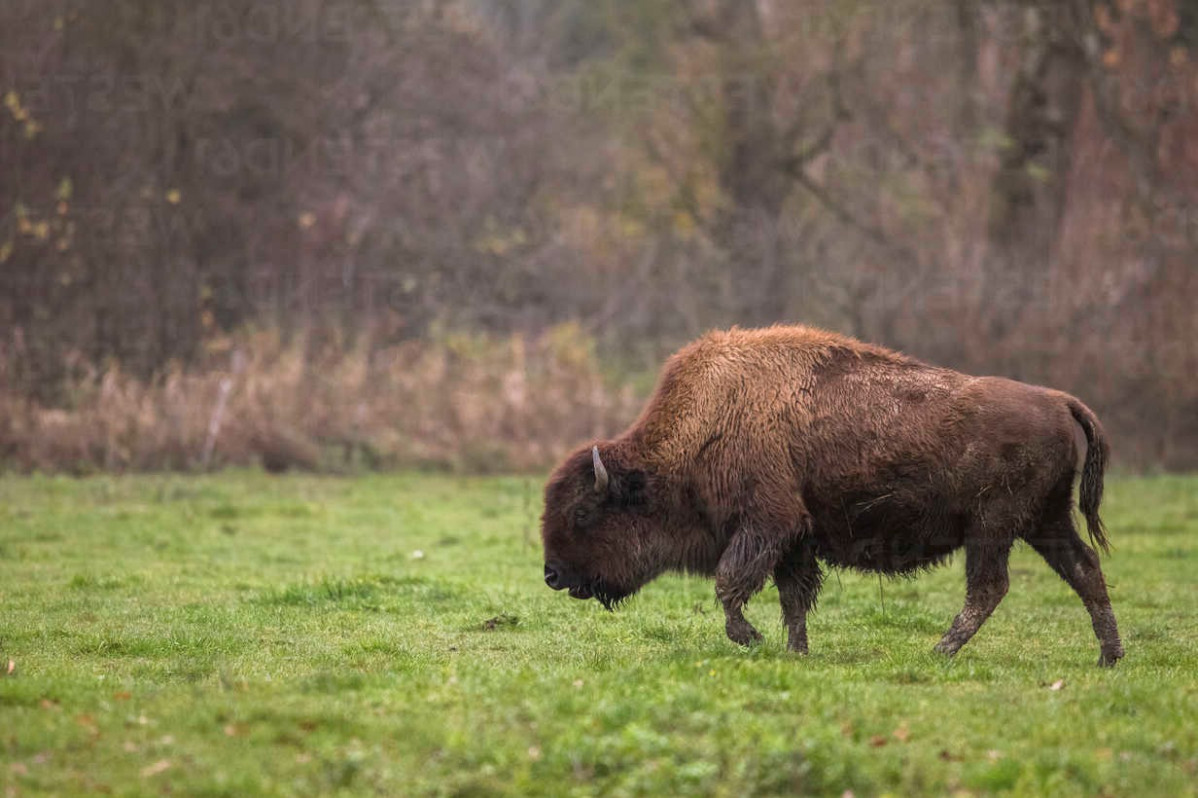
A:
999,187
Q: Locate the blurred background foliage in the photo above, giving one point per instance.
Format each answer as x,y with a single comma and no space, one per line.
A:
342,233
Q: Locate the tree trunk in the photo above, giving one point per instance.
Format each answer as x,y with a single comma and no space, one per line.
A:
752,173
1029,190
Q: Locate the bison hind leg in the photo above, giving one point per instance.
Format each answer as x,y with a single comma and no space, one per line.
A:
1057,541
986,583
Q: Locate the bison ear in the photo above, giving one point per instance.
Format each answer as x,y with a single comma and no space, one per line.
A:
632,488
624,487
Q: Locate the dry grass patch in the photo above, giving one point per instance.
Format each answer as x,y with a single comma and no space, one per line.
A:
467,403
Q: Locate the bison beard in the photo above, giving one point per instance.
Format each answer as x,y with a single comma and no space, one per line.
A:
764,453
607,595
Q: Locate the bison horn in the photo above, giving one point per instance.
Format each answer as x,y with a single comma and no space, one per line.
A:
601,477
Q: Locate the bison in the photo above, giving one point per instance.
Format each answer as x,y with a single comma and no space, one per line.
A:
764,453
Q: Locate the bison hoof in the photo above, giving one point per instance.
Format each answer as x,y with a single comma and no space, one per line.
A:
744,635
947,648
1107,659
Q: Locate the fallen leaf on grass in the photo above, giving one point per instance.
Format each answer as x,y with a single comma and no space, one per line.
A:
122,696
48,703
492,624
902,733
1057,685
161,766
878,740
11,670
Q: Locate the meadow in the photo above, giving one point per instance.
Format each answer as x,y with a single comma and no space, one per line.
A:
243,634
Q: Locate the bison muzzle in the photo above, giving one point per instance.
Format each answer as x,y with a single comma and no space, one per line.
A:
768,452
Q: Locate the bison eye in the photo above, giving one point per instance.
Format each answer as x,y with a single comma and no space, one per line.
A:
582,516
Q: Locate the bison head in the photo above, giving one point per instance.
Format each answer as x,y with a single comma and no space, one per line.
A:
597,527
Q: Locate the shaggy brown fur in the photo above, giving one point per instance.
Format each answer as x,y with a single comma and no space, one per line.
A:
764,452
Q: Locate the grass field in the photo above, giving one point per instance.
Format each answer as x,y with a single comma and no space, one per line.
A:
242,634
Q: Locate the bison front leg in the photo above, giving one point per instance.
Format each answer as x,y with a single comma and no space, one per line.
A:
742,571
798,577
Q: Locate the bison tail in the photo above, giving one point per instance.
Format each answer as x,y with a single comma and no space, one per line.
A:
1097,452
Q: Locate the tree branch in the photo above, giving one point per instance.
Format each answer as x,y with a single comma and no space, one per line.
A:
846,217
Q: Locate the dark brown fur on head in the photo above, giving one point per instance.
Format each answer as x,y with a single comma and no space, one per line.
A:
595,534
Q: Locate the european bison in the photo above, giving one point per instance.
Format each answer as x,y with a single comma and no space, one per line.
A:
764,452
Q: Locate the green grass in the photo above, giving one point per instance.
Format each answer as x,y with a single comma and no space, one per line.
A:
240,634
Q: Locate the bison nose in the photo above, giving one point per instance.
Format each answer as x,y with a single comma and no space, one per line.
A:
552,577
